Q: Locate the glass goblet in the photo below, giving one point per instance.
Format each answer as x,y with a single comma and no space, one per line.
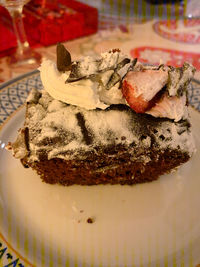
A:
24,54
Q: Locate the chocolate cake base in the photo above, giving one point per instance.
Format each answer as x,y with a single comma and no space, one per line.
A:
121,171
69,145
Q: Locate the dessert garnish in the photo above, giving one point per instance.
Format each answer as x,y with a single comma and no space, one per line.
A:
92,68
113,78
179,78
140,88
63,58
160,92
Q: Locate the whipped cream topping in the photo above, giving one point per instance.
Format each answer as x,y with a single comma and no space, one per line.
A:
91,92
87,93
83,93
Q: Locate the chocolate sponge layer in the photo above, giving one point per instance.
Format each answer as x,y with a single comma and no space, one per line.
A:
103,171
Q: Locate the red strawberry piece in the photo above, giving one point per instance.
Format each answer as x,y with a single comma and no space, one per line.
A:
136,103
141,88
172,107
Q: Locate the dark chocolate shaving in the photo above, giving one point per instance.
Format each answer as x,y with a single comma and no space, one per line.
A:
26,138
133,63
180,78
162,66
76,74
131,67
114,50
123,63
86,135
115,78
63,58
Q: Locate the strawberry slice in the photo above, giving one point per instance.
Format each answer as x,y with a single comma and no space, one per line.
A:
140,88
172,107
136,103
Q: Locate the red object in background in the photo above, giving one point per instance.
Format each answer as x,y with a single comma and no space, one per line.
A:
148,54
49,22
170,30
7,36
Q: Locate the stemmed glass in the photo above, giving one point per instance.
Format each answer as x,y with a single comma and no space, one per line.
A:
24,54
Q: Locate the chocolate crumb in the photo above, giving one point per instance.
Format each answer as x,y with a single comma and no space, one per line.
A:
63,58
90,220
115,50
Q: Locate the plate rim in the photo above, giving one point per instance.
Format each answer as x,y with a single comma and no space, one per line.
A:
18,78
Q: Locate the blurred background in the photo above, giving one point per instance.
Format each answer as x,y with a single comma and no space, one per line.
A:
152,30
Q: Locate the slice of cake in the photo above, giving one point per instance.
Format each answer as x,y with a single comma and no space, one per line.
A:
106,120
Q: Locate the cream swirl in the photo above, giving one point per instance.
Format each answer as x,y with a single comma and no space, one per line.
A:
82,93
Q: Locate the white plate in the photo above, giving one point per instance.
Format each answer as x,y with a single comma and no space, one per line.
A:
152,224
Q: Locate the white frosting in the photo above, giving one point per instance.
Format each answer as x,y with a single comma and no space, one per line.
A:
88,66
110,59
55,130
50,120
